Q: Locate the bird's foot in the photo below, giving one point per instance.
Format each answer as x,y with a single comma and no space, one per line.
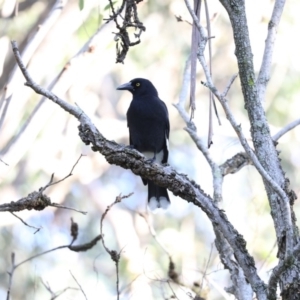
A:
151,160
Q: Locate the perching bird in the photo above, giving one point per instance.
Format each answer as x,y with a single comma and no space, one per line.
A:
149,127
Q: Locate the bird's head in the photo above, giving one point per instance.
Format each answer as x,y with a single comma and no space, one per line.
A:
139,86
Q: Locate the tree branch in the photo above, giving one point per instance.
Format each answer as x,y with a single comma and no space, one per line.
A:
279,269
286,129
30,48
167,177
262,140
265,69
192,130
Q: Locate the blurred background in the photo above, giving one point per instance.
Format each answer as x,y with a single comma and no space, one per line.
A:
38,139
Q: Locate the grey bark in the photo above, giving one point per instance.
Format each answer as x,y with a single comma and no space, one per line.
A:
265,149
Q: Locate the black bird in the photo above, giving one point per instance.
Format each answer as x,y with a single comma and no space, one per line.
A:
149,128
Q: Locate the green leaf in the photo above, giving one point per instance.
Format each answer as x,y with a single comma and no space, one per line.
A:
81,4
108,5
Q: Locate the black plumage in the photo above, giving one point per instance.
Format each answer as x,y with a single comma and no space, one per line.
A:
149,128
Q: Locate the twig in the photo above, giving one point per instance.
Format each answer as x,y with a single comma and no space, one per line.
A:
114,255
265,69
193,15
145,216
11,273
285,129
76,248
194,47
67,176
55,295
227,88
30,48
204,273
212,103
72,67
240,160
38,200
78,285
179,19
4,162
39,90
192,130
267,257
37,229
67,207
130,19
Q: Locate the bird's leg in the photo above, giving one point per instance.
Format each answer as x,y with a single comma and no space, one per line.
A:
152,160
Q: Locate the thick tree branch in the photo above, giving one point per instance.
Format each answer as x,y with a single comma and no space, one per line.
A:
281,205
167,177
259,125
279,269
286,216
235,163
241,288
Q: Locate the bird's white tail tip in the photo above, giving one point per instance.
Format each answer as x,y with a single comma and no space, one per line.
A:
161,202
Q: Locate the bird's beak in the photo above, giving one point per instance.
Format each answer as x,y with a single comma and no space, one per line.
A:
126,86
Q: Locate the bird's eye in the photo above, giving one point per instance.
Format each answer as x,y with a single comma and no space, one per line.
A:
137,84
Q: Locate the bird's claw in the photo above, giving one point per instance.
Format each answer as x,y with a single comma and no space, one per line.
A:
151,160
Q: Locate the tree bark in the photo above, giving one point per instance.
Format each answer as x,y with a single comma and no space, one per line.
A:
265,147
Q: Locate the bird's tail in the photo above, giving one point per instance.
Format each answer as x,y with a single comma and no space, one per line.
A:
157,196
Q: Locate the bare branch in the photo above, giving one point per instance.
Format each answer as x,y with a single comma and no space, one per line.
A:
11,273
241,288
192,13
212,103
285,129
67,176
36,229
275,186
194,46
265,69
231,81
192,130
279,269
78,285
67,207
29,50
114,255
38,200
240,160
145,216
179,184
55,295
74,66
76,248
129,20
235,163
4,162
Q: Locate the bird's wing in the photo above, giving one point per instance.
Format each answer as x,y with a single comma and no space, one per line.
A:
168,122
167,133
